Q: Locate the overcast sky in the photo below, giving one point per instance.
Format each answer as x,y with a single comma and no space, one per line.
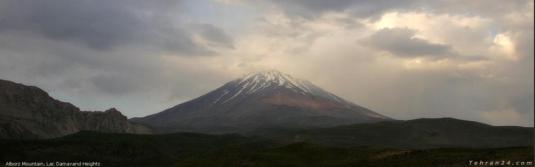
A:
402,58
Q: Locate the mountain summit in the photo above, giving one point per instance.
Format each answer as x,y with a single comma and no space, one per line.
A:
275,80
267,99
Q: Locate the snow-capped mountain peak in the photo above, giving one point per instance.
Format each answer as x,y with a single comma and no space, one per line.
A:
275,78
263,99
272,80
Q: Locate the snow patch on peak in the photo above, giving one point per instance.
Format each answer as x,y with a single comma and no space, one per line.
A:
270,80
270,75
273,77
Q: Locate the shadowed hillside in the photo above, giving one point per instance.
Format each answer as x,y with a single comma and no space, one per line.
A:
188,149
418,133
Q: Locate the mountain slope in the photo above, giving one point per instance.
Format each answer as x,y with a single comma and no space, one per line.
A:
418,133
264,99
29,112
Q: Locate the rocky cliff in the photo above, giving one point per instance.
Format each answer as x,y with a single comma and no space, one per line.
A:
27,112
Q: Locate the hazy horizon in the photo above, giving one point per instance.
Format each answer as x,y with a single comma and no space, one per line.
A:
470,60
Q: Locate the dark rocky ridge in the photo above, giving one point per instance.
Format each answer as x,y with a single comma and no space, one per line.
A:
28,112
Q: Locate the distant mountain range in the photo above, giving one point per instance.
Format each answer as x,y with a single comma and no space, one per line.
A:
28,112
261,100
270,104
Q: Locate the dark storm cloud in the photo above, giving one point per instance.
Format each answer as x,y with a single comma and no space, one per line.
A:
109,47
103,25
97,25
401,42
